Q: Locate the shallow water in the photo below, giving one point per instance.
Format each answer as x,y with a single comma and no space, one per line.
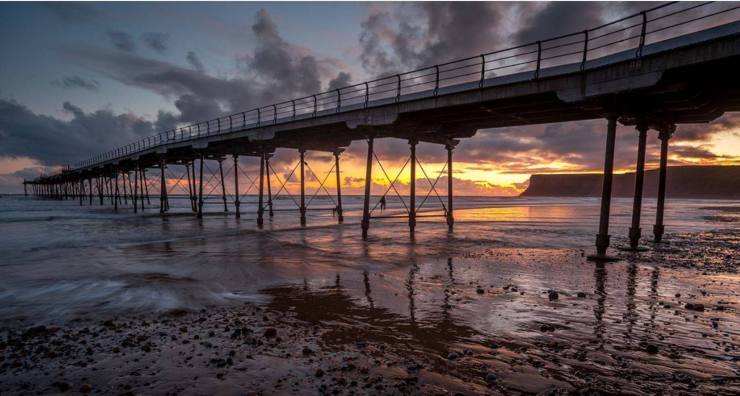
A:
60,259
461,305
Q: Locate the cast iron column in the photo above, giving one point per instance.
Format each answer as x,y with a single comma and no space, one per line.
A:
135,191
368,181
260,199
269,187
602,239
450,217
145,186
236,186
340,215
200,188
412,185
116,192
635,230
303,187
162,186
223,186
658,228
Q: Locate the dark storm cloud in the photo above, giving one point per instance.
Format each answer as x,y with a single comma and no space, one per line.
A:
704,132
419,34
156,41
193,108
53,141
121,40
194,61
561,17
277,66
277,70
73,12
693,152
78,82
395,38
342,80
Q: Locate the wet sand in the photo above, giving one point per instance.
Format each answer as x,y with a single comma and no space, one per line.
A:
109,303
494,321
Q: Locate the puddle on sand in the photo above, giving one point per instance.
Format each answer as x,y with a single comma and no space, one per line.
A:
620,327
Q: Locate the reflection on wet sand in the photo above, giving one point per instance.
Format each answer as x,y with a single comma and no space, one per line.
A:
536,345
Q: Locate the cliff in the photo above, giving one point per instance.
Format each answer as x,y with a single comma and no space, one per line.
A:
719,182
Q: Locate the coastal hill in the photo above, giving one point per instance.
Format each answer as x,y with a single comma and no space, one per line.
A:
719,182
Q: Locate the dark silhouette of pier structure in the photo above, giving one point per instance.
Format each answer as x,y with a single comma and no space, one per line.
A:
672,64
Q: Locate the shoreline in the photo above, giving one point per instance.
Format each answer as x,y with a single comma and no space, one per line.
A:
322,340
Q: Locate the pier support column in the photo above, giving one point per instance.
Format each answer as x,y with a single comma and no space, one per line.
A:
368,181
635,230
303,186
191,185
90,193
340,215
162,186
116,197
450,215
142,190
109,184
135,191
412,185
145,187
101,190
200,188
260,199
223,185
82,190
125,191
236,186
602,239
269,187
658,229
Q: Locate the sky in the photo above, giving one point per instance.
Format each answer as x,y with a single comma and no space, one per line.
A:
82,78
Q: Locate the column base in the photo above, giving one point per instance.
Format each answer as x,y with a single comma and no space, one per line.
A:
658,230
635,234
601,258
633,249
365,224
602,243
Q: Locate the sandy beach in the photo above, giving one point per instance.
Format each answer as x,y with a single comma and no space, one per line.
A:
459,320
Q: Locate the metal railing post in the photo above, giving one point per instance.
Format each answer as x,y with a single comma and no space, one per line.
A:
367,94
539,60
398,87
482,70
436,80
585,50
638,53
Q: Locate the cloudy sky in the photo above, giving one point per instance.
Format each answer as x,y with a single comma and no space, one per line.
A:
82,78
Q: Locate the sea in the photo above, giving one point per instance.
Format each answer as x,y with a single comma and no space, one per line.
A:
60,259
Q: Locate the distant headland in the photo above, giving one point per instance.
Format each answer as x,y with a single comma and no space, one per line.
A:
714,182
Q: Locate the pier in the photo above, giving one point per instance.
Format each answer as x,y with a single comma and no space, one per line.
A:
673,64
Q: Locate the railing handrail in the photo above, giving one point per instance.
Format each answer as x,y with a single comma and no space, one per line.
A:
334,99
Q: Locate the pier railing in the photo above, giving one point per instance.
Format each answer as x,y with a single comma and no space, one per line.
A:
656,24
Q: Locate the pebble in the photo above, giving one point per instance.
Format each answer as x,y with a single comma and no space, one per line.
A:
552,295
651,348
695,307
